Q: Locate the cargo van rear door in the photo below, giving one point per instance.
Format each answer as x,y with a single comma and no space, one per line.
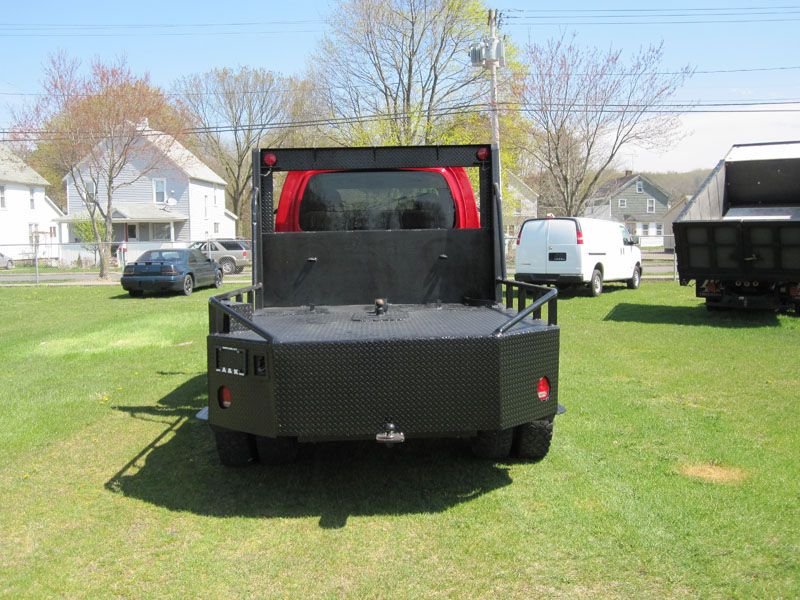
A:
532,249
563,250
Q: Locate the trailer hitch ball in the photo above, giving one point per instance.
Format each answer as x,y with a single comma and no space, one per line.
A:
381,306
390,435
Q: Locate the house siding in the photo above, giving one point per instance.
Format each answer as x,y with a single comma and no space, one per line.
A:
17,216
636,209
204,211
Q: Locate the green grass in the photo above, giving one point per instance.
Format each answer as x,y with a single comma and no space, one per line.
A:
108,487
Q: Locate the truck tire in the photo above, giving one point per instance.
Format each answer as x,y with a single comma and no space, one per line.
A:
596,283
532,440
494,444
235,449
135,293
276,451
228,266
188,285
636,280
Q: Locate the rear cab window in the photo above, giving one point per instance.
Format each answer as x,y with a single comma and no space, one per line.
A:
376,200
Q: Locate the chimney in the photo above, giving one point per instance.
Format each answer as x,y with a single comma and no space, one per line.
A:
628,173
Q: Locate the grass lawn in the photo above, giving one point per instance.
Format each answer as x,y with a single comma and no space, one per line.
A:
673,473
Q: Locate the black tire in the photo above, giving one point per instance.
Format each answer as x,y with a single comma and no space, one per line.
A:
228,266
188,285
494,444
635,281
235,449
135,293
596,283
218,278
713,307
276,451
532,440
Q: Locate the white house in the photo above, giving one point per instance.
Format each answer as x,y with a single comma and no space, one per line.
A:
166,198
28,218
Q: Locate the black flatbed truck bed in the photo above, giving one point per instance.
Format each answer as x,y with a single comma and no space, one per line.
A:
337,339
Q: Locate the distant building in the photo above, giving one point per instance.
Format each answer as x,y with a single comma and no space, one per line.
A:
172,197
635,201
28,218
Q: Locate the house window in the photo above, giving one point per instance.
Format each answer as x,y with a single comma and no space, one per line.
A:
641,229
52,232
216,227
2,196
33,233
161,231
639,187
622,203
651,205
205,206
33,201
159,191
659,228
91,191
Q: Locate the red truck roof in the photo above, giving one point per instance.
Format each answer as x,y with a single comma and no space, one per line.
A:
425,198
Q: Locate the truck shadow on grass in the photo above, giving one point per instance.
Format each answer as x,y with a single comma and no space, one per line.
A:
179,470
690,315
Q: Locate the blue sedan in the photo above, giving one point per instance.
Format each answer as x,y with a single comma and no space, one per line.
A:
180,270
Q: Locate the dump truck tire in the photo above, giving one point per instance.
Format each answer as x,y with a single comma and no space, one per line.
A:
494,444
532,440
276,451
235,449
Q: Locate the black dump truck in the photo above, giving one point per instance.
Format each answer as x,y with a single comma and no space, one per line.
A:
739,236
380,310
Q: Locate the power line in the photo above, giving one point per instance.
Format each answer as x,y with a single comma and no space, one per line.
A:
684,22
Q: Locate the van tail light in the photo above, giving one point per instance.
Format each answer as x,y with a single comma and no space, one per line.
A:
543,389
519,235
224,397
580,236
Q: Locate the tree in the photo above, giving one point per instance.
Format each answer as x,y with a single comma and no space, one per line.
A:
92,127
585,105
406,60
236,110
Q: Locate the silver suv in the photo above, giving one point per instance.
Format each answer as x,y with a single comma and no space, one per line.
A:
6,262
232,255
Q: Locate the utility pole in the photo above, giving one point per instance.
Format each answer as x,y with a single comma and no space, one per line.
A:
491,54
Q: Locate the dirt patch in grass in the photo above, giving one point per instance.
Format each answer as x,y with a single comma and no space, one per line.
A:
714,473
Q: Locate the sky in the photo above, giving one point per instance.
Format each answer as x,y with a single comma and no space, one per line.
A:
752,47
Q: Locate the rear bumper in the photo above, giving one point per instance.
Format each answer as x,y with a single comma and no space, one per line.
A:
547,278
349,389
144,283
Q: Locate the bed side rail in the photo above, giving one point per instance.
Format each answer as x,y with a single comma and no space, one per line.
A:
540,295
234,307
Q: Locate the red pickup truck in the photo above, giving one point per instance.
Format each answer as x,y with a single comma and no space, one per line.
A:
429,198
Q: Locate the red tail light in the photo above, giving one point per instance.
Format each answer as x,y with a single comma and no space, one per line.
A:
543,389
482,154
580,236
169,270
519,235
244,253
270,159
224,397
794,291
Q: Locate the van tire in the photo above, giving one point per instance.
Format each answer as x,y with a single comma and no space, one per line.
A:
596,283
276,451
635,281
494,444
532,440
235,449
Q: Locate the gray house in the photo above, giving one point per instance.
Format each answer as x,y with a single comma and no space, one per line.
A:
636,201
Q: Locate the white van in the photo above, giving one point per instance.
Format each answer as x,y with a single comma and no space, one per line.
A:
576,250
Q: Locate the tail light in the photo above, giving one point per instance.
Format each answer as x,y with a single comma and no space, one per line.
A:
578,232
270,159
794,291
519,235
244,253
482,154
128,270
169,270
543,389
711,287
224,397
580,236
